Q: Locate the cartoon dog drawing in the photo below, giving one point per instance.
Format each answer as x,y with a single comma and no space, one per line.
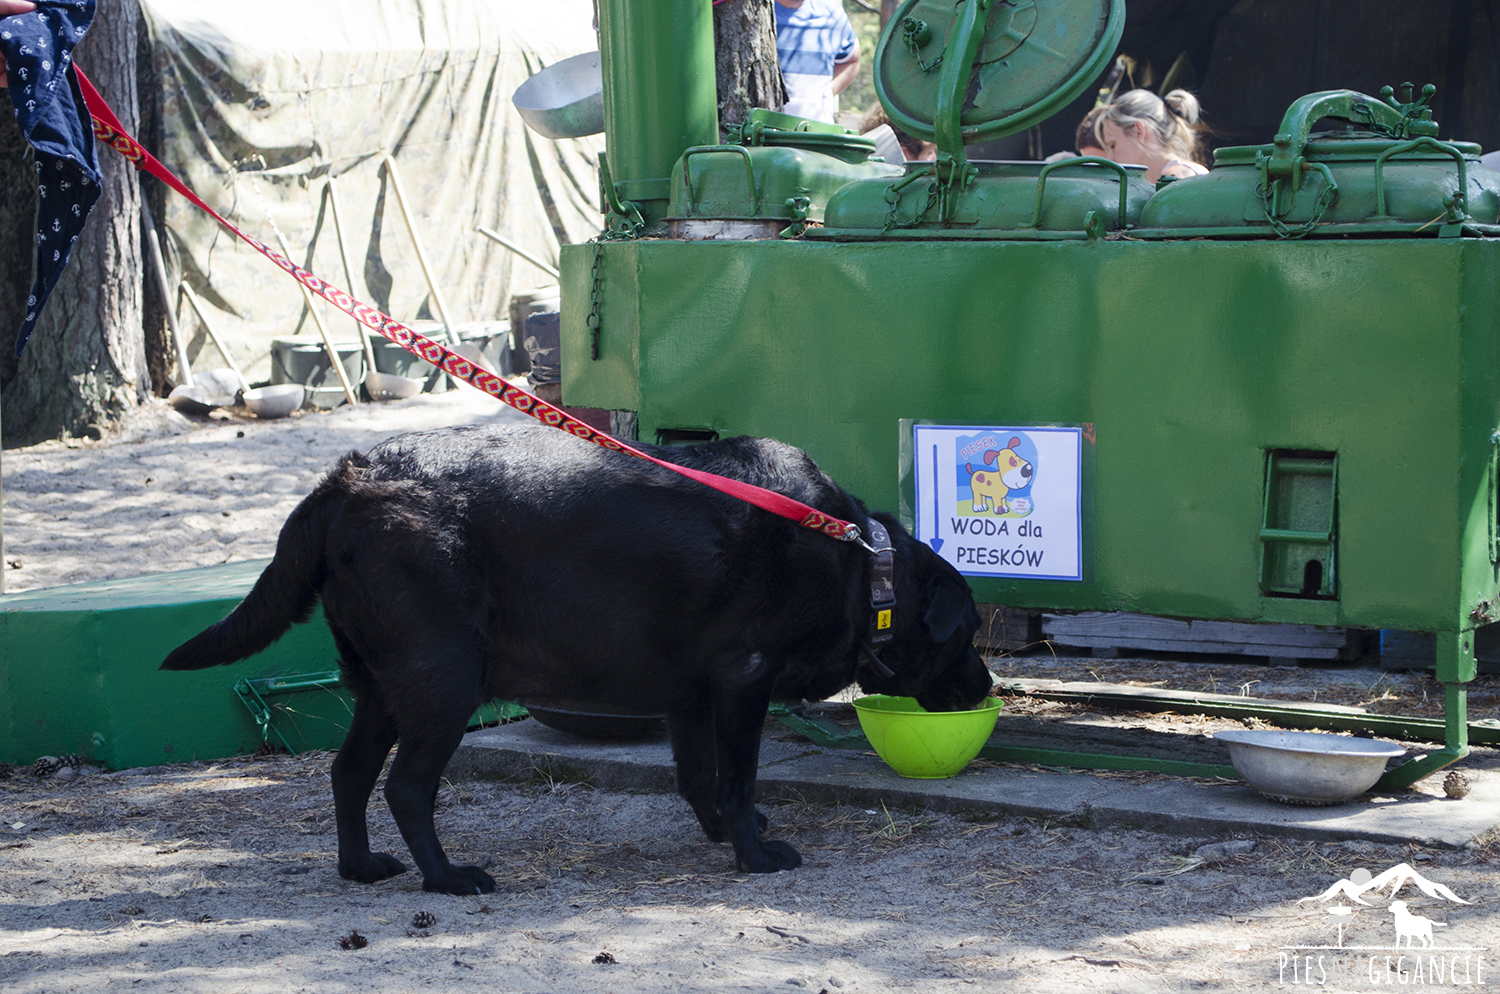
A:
992,487
1412,926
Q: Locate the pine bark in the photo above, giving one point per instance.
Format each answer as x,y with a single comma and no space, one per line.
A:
86,362
749,74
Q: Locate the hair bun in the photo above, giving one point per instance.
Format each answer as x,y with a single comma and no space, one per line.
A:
1184,105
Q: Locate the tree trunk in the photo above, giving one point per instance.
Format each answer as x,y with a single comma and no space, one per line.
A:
85,365
749,75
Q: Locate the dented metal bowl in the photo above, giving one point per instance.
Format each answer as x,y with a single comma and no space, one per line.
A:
1307,767
564,100
275,401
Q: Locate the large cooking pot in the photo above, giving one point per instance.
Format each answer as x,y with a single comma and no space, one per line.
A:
1381,170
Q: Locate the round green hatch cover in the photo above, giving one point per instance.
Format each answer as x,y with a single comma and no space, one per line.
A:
1034,58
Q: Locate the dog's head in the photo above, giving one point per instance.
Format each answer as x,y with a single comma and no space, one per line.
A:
1014,471
932,655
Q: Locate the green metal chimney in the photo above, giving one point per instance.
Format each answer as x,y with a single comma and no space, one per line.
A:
659,96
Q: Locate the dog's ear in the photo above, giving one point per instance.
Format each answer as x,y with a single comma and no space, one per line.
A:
948,602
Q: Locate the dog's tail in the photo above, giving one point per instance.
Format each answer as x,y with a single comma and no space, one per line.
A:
286,591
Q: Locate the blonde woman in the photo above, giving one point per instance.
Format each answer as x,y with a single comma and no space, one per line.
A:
1142,129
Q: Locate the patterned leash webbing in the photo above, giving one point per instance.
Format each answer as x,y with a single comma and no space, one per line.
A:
107,128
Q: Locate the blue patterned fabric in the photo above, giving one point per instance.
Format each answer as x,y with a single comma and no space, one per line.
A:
38,52
811,41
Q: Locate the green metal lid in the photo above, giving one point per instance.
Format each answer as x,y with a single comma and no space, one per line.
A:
1031,59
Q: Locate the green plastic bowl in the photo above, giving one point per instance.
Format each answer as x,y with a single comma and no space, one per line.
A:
925,745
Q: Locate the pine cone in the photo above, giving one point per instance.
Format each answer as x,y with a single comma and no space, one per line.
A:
1456,785
45,766
72,759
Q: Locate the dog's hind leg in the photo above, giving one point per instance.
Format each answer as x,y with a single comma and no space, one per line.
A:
355,770
432,726
697,771
411,791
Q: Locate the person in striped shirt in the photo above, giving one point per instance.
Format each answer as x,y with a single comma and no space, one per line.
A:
819,55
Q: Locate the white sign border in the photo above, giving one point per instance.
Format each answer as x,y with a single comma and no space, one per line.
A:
1078,508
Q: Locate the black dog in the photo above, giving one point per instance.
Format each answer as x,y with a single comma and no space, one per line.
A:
471,563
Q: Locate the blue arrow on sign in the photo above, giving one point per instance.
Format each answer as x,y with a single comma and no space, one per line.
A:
935,542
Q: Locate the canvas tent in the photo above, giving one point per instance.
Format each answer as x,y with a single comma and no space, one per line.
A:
260,103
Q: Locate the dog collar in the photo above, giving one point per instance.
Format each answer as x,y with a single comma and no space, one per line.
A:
882,586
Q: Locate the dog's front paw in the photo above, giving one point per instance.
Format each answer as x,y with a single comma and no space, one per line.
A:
461,880
713,825
372,868
768,857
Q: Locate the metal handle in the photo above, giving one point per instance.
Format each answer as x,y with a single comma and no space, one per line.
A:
366,336
1435,145
328,347
544,266
965,36
416,241
1346,105
687,175
1085,160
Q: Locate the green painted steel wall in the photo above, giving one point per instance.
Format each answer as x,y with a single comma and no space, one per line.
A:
78,673
1192,358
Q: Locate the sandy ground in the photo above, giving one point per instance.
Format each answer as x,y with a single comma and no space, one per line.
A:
165,492
220,877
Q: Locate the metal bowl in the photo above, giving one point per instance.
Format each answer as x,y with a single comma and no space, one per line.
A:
564,100
274,401
389,386
211,388
593,721
191,399
1308,767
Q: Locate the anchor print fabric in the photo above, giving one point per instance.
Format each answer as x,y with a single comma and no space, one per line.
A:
38,50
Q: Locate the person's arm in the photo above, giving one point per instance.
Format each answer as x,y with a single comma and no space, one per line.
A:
846,56
843,72
9,8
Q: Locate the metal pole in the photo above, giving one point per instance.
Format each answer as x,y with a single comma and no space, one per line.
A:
545,267
160,267
333,353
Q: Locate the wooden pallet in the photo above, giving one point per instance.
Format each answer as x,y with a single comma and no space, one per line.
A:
1007,629
1109,634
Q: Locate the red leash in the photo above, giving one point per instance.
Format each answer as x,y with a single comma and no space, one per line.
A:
107,128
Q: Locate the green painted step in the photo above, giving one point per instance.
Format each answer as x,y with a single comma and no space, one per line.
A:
78,673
